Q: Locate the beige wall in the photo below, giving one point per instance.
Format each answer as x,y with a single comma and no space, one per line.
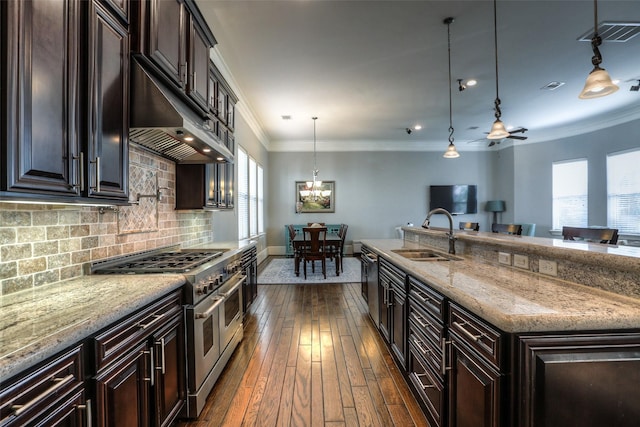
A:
42,244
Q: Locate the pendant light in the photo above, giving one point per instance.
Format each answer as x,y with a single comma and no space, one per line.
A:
314,186
498,131
451,152
598,81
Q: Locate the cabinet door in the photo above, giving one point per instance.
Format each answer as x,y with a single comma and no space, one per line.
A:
582,380
384,312
198,88
474,389
108,118
167,41
399,322
169,366
42,96
122,390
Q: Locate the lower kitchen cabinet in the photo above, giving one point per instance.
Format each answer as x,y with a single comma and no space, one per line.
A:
50,395
249,264
586,380
140,379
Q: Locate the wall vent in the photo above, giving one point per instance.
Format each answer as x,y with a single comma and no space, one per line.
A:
552,86
613,32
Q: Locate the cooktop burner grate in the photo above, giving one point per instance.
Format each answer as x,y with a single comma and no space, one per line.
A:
165,262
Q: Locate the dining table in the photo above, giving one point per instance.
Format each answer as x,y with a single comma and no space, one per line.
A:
333,242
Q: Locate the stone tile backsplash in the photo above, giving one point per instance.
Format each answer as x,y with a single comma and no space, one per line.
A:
42,244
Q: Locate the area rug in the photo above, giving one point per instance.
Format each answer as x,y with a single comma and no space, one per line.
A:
281,271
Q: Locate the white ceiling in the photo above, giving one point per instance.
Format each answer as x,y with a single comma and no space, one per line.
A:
370,69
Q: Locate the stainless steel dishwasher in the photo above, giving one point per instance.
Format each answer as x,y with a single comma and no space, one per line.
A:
370,264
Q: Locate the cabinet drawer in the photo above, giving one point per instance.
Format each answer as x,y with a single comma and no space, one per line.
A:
426,298
392,273
430,353
477,334
36,395
429,388
120,338
426,324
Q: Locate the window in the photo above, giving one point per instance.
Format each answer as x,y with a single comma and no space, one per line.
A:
570,194
243,194
623,191
250,196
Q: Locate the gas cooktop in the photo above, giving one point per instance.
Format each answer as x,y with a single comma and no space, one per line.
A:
163,262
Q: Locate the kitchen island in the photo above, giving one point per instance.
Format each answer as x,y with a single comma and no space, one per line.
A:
488,344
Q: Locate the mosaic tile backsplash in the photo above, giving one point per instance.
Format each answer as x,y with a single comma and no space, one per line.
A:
42,244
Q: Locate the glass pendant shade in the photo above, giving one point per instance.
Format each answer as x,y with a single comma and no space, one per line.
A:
598,84
451,152
498,131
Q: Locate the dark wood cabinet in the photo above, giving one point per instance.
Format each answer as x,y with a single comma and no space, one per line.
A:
65,104
169,384
198,65
393,311
249,264
41,85
204,186
52,394
123,389
140,362
108,98
589,380
165,39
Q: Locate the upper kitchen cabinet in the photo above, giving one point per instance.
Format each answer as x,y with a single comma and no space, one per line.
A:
222,103
64,102
175,38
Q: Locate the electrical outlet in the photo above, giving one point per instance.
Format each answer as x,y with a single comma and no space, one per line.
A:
521,261
504,258
548,267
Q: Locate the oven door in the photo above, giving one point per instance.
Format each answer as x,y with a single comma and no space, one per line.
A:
203,326
231,309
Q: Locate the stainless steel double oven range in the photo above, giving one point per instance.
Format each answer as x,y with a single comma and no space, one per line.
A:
213,308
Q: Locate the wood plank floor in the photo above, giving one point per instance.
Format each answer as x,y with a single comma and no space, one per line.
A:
310,357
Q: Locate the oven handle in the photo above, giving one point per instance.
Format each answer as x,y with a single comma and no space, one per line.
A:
234,287
217,300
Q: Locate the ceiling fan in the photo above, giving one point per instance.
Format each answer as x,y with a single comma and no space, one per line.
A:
511,136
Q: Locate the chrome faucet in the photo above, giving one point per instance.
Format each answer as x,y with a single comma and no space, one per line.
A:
452,238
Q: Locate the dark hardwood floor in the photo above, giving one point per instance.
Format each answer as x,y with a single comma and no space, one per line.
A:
310,357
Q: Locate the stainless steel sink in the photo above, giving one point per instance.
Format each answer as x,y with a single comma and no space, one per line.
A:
424,255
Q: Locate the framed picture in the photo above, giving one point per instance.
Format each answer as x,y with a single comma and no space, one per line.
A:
316,200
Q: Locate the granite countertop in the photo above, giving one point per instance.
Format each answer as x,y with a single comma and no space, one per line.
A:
515,300
37,323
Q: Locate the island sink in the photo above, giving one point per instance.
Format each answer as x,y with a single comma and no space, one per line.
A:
424,255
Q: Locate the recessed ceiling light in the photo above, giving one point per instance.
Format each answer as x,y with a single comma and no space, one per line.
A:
552,86
188,138
286,117
206,150
615,81
417,127
472,82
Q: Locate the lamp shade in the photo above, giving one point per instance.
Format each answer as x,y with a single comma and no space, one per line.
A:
495,206
598,84
498,131
451,152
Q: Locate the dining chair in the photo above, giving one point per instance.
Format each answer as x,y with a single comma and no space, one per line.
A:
601,235
314,248
342,234
507,228
470,226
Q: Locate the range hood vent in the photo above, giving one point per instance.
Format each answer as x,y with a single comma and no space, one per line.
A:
165,124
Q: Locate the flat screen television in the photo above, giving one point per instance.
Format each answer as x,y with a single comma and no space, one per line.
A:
457,199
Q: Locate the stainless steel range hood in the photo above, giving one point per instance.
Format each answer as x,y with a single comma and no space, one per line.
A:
165,124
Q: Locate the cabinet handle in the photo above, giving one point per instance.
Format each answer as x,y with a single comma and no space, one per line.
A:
424,387
152,370
97,163
474,338
162,356
87,408
421,297
60,382
157,318
443,362
80,159
419,346
195,76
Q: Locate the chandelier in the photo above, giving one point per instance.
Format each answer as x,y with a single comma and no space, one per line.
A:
314,187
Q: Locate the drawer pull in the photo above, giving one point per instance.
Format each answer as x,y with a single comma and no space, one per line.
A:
157,318
59,383
424,387
87,408
419,346
468,334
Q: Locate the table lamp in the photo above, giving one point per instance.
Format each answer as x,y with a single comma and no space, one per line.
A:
495,206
